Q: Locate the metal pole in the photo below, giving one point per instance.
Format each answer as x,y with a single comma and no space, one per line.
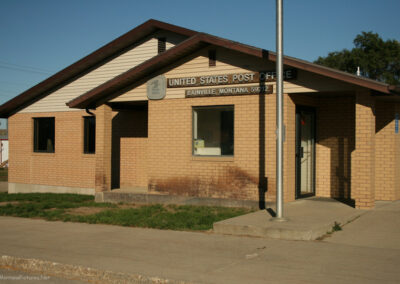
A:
279,109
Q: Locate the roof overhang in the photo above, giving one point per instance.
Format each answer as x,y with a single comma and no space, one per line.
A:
94,59
141,73
334,74
394,89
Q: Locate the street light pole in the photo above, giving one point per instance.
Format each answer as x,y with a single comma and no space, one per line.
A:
279,109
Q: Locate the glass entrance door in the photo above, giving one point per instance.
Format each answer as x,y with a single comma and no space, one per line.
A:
305,152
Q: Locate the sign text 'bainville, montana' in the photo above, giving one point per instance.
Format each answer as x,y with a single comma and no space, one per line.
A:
229,79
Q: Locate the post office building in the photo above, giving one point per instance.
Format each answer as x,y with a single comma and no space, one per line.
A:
167,110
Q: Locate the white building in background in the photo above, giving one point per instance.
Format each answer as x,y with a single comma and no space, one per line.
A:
4,151
3,142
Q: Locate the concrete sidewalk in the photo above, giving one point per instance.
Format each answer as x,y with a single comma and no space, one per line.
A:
379,228
307,219
154,256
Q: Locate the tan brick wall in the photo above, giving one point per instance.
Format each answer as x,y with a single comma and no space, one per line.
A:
288,147
335,143
133,162
386,152
162,154
170,161
289,174
68,166
270,145
103,148
397,159
363,157
129,148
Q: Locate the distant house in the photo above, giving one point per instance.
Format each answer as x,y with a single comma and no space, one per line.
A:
3,147
172,110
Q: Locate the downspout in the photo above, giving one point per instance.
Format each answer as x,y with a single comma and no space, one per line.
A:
89,112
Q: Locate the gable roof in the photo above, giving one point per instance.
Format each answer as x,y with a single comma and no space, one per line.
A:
142,72
79,68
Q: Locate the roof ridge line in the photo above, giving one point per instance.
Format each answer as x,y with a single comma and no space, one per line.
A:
79,67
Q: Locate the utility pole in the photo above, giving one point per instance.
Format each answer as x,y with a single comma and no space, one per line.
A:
279,110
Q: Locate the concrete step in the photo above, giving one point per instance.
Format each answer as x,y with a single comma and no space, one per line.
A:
117,196
306,219
135,189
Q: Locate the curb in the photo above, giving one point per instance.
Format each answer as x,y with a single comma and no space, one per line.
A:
75,272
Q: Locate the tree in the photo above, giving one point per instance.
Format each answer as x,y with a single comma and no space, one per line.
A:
377,59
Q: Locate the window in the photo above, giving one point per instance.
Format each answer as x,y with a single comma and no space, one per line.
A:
212,58
213,131
162,44
43,136
89,134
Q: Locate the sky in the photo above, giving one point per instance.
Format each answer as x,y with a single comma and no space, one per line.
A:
41,37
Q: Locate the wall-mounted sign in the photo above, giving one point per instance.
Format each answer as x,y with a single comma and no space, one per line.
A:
229,91
156,88
229,79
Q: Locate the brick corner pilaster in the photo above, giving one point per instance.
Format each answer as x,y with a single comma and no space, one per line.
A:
103,148
363,157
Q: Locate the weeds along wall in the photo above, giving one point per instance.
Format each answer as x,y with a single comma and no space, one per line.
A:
171,166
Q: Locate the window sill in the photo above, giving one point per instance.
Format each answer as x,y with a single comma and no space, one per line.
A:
88,155
43,153
213,159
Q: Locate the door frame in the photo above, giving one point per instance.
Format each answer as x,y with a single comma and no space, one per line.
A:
313,111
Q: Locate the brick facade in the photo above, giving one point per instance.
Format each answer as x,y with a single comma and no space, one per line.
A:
67,166
129,148
335,143
148,143
356,149
103,148
363,156
386,153
396,189
289,152
171,166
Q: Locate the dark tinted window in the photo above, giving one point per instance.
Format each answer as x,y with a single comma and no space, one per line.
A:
44,134
212,58
162,44
89,145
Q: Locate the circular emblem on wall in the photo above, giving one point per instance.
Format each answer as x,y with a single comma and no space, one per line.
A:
156,88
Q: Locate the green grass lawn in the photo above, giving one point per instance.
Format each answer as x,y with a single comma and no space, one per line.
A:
82,208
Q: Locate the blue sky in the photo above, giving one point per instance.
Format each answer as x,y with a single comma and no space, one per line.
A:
41,37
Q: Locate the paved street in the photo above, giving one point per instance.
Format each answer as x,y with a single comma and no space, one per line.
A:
366,251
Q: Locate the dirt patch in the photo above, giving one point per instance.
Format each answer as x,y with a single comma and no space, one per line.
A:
5,203
83,211
129,205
